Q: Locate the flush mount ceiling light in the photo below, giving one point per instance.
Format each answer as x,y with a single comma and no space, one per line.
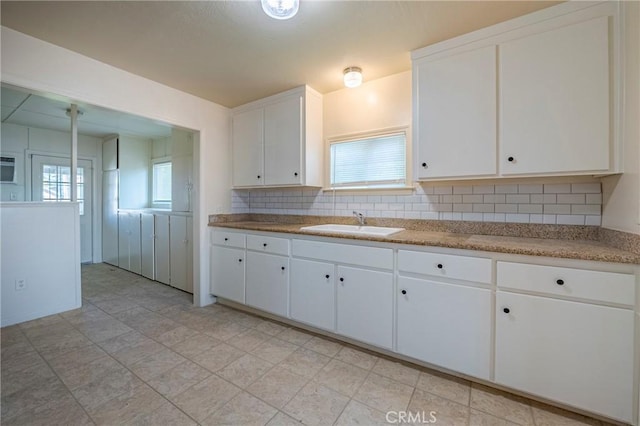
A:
352,77
281,9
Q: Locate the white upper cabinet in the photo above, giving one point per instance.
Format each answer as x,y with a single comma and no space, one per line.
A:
554,98
538,95
455,100
277,141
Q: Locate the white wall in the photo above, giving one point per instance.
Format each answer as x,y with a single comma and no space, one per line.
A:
621,209
43,67
41,245
134,165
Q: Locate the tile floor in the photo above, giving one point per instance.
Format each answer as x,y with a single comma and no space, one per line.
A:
139,353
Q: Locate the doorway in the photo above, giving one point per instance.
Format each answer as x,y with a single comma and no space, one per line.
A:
51,182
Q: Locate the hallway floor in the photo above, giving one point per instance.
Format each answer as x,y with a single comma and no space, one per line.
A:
139,353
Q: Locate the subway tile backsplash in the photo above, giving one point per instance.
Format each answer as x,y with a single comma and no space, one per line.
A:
562,204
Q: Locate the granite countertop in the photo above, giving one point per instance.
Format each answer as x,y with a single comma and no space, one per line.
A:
570,248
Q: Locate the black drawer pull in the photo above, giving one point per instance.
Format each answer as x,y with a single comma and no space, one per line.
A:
226,239
341,279
404,292
327,276
506,310
560,282
239,260
264,245
439,265
282,268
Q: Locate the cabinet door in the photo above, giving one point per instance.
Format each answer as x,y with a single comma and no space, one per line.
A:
247,128
574,353
365,305
178,251
554,100
162,261
189,264
313,294
456,115
445,325
123,241
181,183
147,242
283,142
267,283
135,253
227,273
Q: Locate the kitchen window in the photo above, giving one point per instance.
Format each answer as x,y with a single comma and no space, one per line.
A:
369,161
161,182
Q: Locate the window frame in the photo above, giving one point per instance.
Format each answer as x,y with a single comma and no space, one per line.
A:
155,162
401,187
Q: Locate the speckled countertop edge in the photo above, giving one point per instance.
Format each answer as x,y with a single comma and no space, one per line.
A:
580,243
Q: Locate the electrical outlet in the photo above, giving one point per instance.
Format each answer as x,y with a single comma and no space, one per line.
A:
13,196
21,284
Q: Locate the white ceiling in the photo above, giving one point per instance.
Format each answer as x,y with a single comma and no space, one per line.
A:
230,52
25,109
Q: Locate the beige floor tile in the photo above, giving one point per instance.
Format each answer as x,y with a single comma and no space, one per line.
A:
218,357
156,364
102,329
478,418
16,364
62,411
123,341
295,336
384,394
274,350
203,399
248,340
55,345
19,380
446,412
176,335
356,413
44,321
87,313
316,404
450,387
323,346
546,415
165,414
243,409
47,391
501,404
195,345
342,377
16,348
105,387
281,419
397,371
178,379
115,305
131,355
277,386
357,357
305,362
127,407
271,328
83,366
225,330
248,320
245,370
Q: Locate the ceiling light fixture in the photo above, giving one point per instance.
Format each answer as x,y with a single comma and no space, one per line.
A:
352,77
281,9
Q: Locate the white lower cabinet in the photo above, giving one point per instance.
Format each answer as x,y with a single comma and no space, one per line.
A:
228,273
445,325
365,305
129,241
147,245
267,282
574,353
161,249
313,294
180,252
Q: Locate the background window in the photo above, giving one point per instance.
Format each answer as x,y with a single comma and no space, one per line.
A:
369,162
56,184
162,182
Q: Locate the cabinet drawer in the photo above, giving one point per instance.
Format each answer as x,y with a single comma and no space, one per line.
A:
225,238
343,253
445,265
268,244
601,286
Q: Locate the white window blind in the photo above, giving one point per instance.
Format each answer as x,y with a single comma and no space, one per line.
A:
162,182
377,161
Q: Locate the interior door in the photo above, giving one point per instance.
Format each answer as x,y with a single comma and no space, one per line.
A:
51,181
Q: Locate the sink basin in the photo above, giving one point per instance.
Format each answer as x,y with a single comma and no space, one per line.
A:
379,231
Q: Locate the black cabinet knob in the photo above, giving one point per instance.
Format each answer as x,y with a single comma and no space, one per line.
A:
560,282
282,268
226,239
439,265
506,310
258,176
327,276
264,245
295,173
239,260
341,279
424,165
510,159
404,292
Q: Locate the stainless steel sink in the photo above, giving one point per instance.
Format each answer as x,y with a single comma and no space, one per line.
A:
379,231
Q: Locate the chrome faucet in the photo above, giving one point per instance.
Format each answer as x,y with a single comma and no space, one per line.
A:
360,217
